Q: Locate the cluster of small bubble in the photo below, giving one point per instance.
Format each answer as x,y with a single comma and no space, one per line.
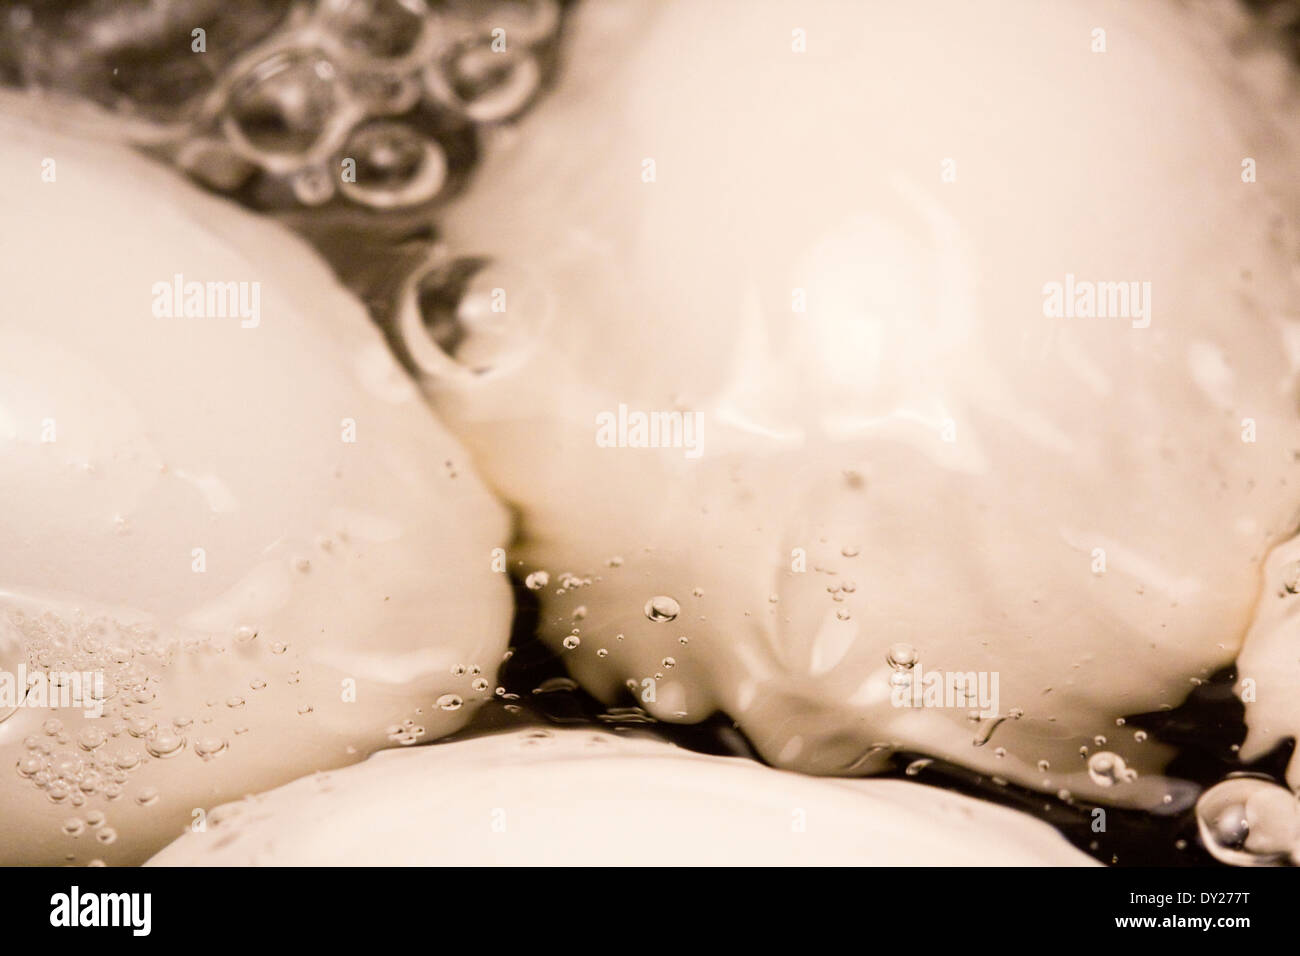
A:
77,761
406,733
411,731
840,588
367,103
568,581
73,767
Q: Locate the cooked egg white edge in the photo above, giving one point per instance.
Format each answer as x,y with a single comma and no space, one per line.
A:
575,797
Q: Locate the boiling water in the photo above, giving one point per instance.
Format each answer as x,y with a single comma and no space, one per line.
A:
535,691
416,110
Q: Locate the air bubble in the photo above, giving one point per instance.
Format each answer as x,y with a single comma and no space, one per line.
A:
165,744
1108,769
209,747
537,580
450,702
571,641
28,766
396,166
483,85
127,760
377,32
662,608
285,108
1248,821
472,316
901,656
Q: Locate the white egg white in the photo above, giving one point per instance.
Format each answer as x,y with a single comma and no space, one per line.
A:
256,532
575,797
849,262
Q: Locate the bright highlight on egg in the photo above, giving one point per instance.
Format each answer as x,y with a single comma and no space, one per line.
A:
851,387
